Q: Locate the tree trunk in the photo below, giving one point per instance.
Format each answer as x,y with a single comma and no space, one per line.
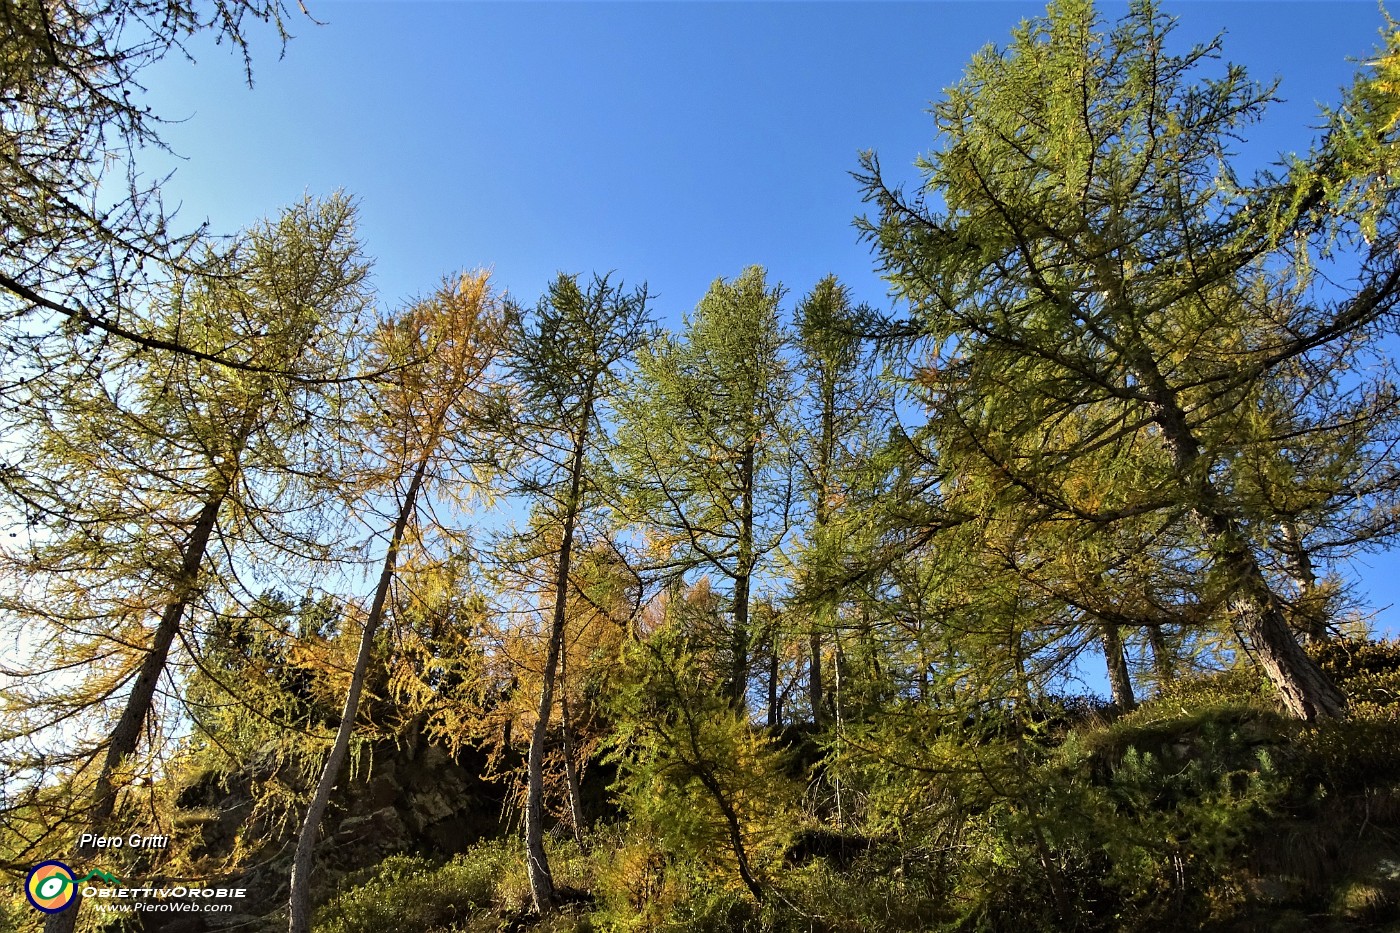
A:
1163,658
738,679
571,775
739,671
1307,692
1308,615
775,707
299,900
127,732
736,836
815,693
1261,616
1119,680
838,668
536,860
826,455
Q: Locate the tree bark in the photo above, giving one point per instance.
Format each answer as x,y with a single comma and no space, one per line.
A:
775,710
127,732
1163,658
536,860
739,642
299,900
838,671
577,816
1120,682
1261,616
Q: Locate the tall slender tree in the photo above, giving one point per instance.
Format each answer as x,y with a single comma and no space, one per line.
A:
702,451
840,409
425,423
566,357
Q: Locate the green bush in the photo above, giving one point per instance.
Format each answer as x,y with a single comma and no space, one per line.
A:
1368,672
877,891
409,894
1142,823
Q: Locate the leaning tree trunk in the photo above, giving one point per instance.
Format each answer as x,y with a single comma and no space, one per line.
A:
736,834
701,770
1260,615
127,733
299,900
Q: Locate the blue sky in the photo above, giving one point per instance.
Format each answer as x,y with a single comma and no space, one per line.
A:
672,142
668,142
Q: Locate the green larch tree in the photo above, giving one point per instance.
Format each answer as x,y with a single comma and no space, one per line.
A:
1098,298
709,790
840,414
566,359
703,459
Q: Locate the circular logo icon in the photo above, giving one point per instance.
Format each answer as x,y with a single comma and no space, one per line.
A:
50,886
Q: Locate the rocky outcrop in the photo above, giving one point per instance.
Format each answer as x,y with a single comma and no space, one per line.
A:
410,797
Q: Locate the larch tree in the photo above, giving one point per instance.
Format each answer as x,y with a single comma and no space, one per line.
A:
1099,298
697,779
147,491
567,358
702,453
840,414
423,427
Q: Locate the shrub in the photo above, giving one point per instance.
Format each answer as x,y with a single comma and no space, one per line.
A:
1368,672
409,893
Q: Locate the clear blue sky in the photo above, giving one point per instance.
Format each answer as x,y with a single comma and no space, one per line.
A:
669,142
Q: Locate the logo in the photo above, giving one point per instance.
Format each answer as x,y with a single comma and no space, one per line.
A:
51,886
100,876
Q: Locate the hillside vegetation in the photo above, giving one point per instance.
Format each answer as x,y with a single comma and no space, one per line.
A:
473,615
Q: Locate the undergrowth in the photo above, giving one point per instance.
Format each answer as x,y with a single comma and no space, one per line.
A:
1206,808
